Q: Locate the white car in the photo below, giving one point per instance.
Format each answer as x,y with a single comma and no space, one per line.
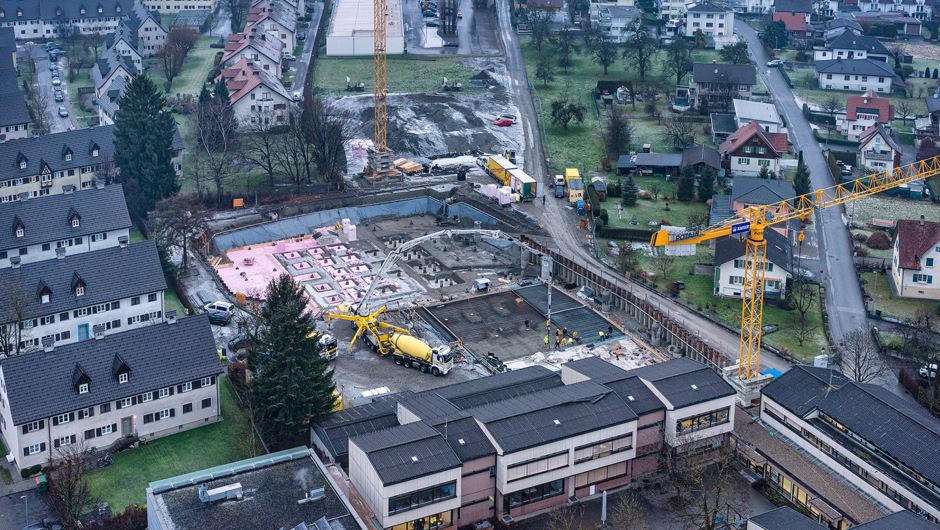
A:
933,371
297,96
509,117
218,307
775,62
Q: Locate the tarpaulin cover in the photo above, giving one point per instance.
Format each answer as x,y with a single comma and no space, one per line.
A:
306,224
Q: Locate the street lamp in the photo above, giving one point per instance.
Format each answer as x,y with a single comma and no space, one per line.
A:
26,501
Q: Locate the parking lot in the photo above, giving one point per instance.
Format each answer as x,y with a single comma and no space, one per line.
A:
47,90
476,34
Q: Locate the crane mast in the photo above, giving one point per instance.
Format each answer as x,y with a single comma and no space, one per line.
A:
754,220
380,158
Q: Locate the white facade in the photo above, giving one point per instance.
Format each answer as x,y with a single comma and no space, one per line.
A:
119,71
260,59
759,6
912,283
671,9
280,31
121,47
854,82
751,166
729,279
876,154
718,23
173,7
765,114
151,37
72,245
49,29
351,30
261,101
677,439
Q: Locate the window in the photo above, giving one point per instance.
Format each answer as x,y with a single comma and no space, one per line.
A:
537,466
122,377
702,421
106,430
152,297
763,162
747,149
536,493
744,161
99,237
94,152
773,285
83,388
164,392
923,278
24,251
104,408
739,264
79,291
602,449
23,164
32,427
186,387
44,299
187,408
410,501
135,300
206,403
65,440
68,157
761,150
205,381
20,232
737,280
33,449
163,414
930,262
147,396
596,476
62,418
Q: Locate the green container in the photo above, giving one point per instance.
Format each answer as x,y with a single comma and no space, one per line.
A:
41,483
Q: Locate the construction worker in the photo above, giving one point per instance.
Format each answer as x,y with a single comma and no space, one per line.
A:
601,334
546,340
564,331
575,336
557,333
557,343
617,353
610,330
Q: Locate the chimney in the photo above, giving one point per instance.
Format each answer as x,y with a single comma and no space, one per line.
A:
921,220
99,184
122,241
68,189
170,316
98,330
60,253
15,261
48,344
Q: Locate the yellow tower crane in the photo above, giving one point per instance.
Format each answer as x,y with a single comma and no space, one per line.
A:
380,161
751,223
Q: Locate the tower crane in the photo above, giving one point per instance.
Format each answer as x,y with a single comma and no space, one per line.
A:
379,156
751,222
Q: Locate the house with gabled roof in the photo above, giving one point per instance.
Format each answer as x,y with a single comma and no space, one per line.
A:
798,27
731,264
256,45
14,114
277,19
258,97
110,66
66,299
719,84
750,191
878,150
916,257
48,19
751,148
176,7
713,20
861,112
850,44
145,383
856,74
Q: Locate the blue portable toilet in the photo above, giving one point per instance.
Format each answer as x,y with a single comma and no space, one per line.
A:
580,207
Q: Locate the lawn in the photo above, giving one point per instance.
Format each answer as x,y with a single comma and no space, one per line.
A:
648,210
196,68
698,294
901,308
406,73
126,481
136,236
167,20
872,253
172,302
891,208
807,88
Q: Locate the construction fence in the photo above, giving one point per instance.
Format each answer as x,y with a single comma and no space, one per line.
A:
660,325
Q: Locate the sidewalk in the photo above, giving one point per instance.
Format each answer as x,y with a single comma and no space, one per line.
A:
19,483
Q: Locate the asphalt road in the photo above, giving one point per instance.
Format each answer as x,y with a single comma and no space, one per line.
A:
301,63
562,225
51,110
837,268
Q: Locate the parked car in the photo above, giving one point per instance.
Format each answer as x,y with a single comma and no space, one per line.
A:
459,15
775,62
55,73
58,96
302,35
219,319
509,117
431,24
931,374
502,122
452,44
287,56
56,81
430,14
846,170
297,96
63,112
53,66
218,307
559,192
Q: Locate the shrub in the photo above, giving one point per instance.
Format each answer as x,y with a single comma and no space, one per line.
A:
604,217
861,251
30,471
879,241
598,225
859,238
785,304
909,383
672,287
665,222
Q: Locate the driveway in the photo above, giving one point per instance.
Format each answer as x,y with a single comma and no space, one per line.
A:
13,510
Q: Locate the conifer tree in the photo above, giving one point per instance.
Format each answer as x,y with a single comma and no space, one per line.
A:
685,191
706,184
628,192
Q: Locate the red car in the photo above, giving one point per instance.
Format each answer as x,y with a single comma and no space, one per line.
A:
502,122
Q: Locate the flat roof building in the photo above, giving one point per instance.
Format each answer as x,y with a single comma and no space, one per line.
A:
352,27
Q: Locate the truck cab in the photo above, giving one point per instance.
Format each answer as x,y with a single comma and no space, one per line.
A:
329,349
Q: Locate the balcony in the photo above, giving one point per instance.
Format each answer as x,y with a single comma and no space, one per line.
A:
878,155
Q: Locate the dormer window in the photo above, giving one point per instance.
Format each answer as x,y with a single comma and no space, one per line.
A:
3,14
68,157
22,164
80,291
100,10
19,12
58,12
94,152
83,388
82,10
75,222
20,232
118,8
45,298
123,377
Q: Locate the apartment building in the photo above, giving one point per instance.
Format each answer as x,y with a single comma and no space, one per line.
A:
850,44
81,221
786,518
916,255
518,443
718,85
173,7
110,66
77,297
856,74
277,19
257,95
149,382
14,115
861,112
45,19
48,164
864,434
255,45
712,19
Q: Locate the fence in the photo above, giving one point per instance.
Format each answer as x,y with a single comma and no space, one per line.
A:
660,325
833,141
786,77
545,147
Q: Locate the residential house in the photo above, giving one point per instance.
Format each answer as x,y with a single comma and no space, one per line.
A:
831,29
802,7
904,24
723,125
714,20
149,29
702,156
68,298
798,29
765,114
650,164
173,7
786,518
749,191
861,112
55,163
81,221
149,382
751,148
257,95
719,85
50,19
671,9
851,45
525,441
109,67
879,151
123,42
297,6
613,19
277,19
14,115
856,75
731,265
861,433
916,256
918,9
285,489
758,6
255,45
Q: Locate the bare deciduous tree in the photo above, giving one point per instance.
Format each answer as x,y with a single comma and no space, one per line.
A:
803,295
328,127
95,35
217,143
626,513
295,155
905,108
859,359
237,10
800,329
679,133
618,132
566,518
14,315
68,487
661,262
707,493
832,105
261,144
180,220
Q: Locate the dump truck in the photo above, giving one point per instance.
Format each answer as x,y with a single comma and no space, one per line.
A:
499,167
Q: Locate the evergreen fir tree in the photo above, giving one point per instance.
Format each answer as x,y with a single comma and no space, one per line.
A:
628,192
764,173
706,184
143,146
685,191
801,184
292,381
205,94
221,92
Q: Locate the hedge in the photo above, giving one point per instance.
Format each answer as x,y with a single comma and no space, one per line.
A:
629,234
592,196
834,141
817,117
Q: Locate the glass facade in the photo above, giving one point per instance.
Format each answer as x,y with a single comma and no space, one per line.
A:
702,421
533,494
432,522
416,499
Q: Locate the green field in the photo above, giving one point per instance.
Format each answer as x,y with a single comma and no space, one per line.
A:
126,481
649,210
196,68
807,88
407,73
891,208
901,308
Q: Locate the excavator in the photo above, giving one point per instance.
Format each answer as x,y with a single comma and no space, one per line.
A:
750,224
389,340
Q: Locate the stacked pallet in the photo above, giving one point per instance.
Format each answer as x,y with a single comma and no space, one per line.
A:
405,166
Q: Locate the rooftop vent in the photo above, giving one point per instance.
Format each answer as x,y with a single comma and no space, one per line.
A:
313,495
461,442
122,241
557,422
630,398
98,331
694,387
48,344
170,316
414,459
60,253
232,491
